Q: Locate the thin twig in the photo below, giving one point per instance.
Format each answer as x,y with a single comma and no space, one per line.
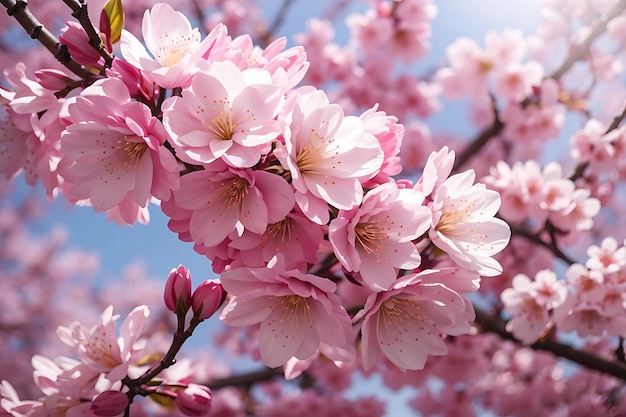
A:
534,238
583,48
245,380
496,127
266,38
33,27
79,11
490,323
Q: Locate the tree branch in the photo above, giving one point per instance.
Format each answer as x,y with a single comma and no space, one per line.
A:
267,35
33,27
583,48
489,323
483,138
79,11
534,238
247,379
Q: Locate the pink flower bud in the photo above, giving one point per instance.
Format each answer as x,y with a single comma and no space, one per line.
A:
177,294
52,79
108,404
207,298
74,37
195,400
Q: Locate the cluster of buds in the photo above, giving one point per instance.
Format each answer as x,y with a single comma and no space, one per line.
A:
204,301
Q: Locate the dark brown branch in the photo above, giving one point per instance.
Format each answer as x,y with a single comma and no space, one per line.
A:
489,323
479,141
79,11
246,380
266,37
534,238
33,27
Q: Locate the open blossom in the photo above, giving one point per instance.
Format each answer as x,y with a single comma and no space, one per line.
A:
295,237
225,113
100,348
405,323
607,257
175,48
529,303
376,238
464,225
13,147
220,199
110,155
327,155
297,312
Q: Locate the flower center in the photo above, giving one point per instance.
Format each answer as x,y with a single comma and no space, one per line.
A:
454,215
400,310
369,235
135,151
294,306
222,127
280,230
173,48
315,152
235,191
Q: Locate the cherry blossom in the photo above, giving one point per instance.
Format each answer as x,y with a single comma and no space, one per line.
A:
225,113
175,48
404,323
107,158
327,154
221,199
376,238
464,226
100,347
296,311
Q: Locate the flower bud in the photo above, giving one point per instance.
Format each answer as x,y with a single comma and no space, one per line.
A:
77,41
108,404
177,294
207,298
195,400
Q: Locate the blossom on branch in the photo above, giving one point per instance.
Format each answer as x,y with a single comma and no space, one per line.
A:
118,154
297,312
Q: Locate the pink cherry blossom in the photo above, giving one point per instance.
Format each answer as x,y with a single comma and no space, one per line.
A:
13,141
464,225
100,348
177,294
220,199
225,113
297,311
108,404
389,134
607,257
376,238
108,156
194,400
175,48
405,323
295,237
529,303
207,298
327,155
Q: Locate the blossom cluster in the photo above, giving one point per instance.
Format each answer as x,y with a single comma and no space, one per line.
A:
269,180
589,300
113,366
533,195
